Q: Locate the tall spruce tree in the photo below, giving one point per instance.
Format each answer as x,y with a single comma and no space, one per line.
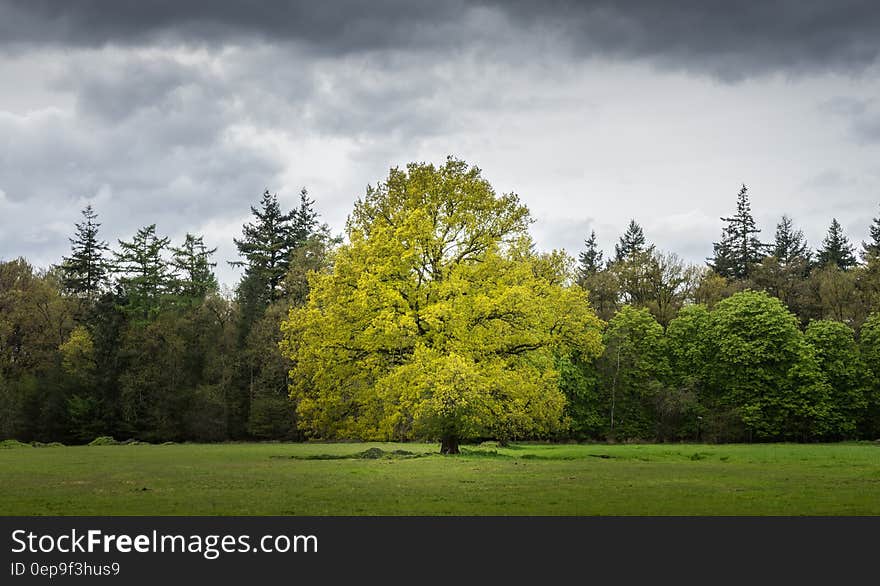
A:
194,268
632,243
84,272
871,248
267,244
790,245
836,248
303,221
143,273
590,258
739,250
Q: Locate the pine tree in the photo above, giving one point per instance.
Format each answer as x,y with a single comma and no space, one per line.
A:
266,246
304,220
871,249
739,250
631,243
836,248
143,273
790,245
194,269
590,259
84,272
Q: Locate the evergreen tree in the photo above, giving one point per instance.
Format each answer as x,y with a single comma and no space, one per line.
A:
790,245
304,220
143,273
836,249
739,249
590,259
192,262
631,243
84,272
267,245
871,249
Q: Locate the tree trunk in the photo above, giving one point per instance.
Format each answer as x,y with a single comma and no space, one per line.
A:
449,445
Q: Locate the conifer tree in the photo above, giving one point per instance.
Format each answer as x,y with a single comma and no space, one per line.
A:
192,262
871,248
590,259
790,245
739,249
267,245
304,220
84,272
143,272
631,243
836,248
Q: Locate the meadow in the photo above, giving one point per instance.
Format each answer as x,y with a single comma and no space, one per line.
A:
412,479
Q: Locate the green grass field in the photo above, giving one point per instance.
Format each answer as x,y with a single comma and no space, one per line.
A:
297,479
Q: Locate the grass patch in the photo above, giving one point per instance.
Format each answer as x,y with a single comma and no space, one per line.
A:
11,444
413,479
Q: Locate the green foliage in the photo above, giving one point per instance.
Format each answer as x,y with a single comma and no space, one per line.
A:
579,382
589,259
632,243
836,293
763,366
272,414
871,248
194,274
662,283
790,245
634,368
739,250
104,440
838,356
85,271
836,249
869,344
267,245
143,274
11,444
438,320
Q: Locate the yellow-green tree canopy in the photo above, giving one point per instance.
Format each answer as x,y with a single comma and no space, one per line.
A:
438,319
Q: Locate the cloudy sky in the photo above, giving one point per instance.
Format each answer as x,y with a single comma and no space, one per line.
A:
181,114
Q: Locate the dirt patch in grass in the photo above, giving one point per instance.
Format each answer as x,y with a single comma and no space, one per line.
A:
368,454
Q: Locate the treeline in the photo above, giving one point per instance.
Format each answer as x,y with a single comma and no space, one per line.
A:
140,342
768,341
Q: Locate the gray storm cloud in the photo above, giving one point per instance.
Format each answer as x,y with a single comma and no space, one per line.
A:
182,113
730,39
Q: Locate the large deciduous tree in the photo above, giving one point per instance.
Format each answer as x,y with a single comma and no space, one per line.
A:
633,368
438,319
763,366
840,361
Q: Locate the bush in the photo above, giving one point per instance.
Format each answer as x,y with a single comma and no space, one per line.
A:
104,440
11,443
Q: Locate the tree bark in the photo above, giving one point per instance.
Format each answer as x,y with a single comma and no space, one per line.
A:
449,445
